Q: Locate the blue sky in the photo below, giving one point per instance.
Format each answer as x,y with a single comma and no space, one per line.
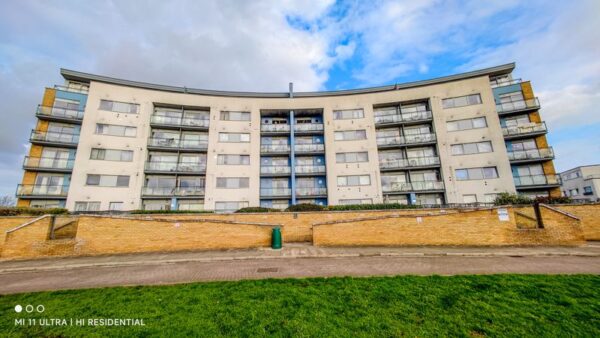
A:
262,45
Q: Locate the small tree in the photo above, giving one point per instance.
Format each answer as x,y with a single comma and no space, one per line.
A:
7,201
505,198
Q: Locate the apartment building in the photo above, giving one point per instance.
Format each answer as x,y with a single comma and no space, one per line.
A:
103,143
582,183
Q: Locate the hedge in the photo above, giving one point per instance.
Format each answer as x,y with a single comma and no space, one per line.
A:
257,209
380,206
305,207
507,198
21,211
171,212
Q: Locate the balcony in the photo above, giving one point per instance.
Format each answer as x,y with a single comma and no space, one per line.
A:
275,170
54,139
175,167
275,128
307,192
534,181
389,141
82,89
176,144
275,192
405,163
414,186
529,129
504,83
42,191
517,106
308,128
531,155
59,114
403,118
173,191
309,169
309,148
48,164
274,148
178,122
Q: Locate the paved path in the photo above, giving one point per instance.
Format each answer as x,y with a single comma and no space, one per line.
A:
294,261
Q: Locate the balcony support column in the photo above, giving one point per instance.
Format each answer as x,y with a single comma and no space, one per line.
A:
292,156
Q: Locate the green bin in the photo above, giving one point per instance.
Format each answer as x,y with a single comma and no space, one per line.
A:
276,238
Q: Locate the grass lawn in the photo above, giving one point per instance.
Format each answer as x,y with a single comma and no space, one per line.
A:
496,305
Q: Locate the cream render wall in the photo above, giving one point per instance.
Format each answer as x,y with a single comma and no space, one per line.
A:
146,98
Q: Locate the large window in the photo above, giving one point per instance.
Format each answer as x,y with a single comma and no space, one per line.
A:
115,130
353,180
107,180
235,116
350,135
474,123
234,137
111,155
354,201
87,206
227,159
119,107
230,206
471,148
352,157
233,182
476,173
461,101
348,114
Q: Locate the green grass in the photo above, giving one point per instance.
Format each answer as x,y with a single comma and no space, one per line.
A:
496,305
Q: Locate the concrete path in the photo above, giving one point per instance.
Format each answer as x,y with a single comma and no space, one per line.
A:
292,261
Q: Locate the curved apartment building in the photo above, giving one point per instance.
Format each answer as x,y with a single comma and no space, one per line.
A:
110,144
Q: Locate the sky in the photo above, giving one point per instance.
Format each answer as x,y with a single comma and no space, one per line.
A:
261,45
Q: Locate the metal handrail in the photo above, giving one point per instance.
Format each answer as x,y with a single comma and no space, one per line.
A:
536,180
42,190
311,191
308,127
496,84
309,169
406,139
50,136
179,121
404,117
274,148
275,127
275,191
177,143
71,89
413,186
48,162
173,191
517,105
307,147
74,114
528,128
409,162
538,153
275,169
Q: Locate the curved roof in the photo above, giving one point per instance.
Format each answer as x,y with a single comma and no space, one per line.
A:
86,77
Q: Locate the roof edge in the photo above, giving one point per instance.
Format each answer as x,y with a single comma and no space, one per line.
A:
87,77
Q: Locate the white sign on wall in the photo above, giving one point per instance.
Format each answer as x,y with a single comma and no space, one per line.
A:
503,214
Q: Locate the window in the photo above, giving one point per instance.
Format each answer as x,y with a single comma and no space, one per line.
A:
348,114
111,155
156,204
233,182
476,173
190,205
119,107
350,135
470,198
230,206
115,130
574,192
87,206
47,204
356,201
115,206
471,148
235,116
353,157
572,175
474,123
107,180
234,137
587,190
461,101
353,180
233,159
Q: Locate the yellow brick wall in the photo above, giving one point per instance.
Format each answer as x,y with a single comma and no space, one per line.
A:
535,117
35,150
527,90
41,126
49,96
27,242
590,219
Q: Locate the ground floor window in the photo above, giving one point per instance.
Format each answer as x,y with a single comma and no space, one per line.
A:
190,205
157,205
47,204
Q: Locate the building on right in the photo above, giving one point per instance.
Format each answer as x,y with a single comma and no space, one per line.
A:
582,183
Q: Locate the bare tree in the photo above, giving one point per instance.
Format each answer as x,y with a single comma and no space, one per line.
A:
7,201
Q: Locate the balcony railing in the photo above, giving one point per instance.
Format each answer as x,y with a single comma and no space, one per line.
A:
177,143
275,192
403,117
79,89
175,166
274,148
310,169
179,121
496,84
48,163
309,147
311,191
517,105
406,139
531,154
530,180
413,186
54,137
173,191
304,127
279,128
42,190
275,169
524,129
58,112
409,162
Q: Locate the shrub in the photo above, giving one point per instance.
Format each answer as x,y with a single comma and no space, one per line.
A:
380,206
20,211
257,209
171,212
505,198
304,207
554,200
